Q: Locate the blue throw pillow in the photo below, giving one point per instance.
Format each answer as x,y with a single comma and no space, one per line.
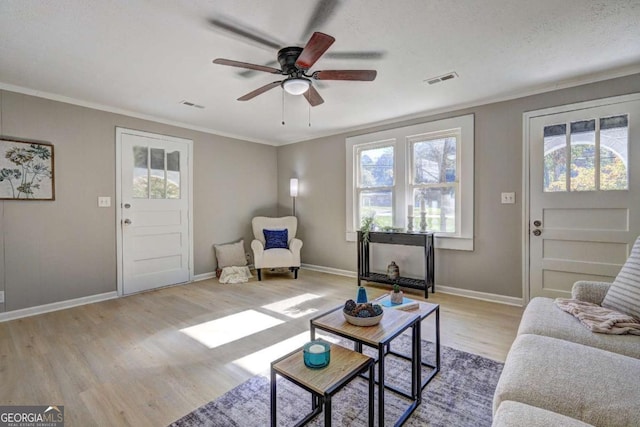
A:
276,239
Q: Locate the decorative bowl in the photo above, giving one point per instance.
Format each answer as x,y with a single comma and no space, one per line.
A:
363,321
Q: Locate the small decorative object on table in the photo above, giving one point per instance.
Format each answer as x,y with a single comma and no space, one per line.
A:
366,314
362,295
316,354
409,218
393,271
367,226
396,295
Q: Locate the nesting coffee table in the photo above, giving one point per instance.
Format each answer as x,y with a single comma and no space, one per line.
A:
323,383
393,323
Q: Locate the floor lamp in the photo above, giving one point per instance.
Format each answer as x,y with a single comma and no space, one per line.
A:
293,191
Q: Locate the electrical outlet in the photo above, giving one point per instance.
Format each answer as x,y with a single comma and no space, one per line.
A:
1,297
104,202
508,198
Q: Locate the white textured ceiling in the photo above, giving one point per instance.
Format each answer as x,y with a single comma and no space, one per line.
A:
144,57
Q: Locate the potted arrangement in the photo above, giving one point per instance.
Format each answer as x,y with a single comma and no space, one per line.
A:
396,295
367,226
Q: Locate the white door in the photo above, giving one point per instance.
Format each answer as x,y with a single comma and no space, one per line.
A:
584,194
154,211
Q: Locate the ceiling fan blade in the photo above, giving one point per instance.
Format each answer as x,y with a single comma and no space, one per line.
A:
316,46
259,91
359,75
367,55
246,33
323,11
255,67
313,96
250,73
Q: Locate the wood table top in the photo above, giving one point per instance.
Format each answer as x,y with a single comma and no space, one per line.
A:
393,322
343,363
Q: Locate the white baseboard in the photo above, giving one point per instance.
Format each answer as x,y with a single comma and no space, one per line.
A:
484,296
329,270
55,306
203,276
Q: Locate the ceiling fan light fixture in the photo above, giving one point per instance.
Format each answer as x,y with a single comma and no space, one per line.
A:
296,86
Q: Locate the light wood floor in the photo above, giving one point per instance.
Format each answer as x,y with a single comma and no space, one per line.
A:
125,362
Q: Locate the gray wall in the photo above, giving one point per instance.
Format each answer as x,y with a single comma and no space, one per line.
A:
495,266
65,249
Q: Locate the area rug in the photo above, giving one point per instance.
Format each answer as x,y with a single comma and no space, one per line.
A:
460,395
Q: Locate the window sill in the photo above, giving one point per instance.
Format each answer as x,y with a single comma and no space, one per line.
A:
441,242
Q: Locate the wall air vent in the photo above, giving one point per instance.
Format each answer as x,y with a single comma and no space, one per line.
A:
191,104
444,77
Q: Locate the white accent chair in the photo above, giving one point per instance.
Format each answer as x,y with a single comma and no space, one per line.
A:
276,257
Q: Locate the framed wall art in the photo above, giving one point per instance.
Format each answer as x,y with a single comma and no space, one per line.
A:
26,170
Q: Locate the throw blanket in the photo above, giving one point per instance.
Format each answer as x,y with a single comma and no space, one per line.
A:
600,319
235,275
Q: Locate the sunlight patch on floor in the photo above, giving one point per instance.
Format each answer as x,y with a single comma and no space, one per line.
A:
291,306
258,363
231,328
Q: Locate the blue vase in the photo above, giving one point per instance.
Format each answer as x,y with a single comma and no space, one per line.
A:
362,295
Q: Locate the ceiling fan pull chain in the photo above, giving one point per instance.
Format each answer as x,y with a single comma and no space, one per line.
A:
309,106
283,108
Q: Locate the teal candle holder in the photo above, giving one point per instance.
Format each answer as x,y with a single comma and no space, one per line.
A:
317,354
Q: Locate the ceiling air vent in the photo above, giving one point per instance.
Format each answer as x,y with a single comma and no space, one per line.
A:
191,104
445,77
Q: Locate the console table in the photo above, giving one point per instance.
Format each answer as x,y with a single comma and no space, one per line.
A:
424,240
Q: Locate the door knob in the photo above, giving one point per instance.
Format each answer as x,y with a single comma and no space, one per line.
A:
537,223
537,232
127,221
127,205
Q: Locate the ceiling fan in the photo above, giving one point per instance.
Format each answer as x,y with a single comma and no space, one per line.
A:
295,63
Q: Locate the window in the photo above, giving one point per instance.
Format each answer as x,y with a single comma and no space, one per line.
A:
375,183
591,156
427,166
162,179
434,180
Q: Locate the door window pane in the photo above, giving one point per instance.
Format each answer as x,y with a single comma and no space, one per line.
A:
157,188
376,167
555,158
140,172
583,156
439,206
378,204
173,175
614,152
434,161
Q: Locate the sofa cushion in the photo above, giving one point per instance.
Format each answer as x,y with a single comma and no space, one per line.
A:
585,383
231,255
276,239
624,293
542,317
516,414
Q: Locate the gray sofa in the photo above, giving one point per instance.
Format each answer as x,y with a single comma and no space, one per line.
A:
559,373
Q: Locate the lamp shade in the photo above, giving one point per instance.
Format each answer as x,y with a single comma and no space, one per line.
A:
296,86
293,187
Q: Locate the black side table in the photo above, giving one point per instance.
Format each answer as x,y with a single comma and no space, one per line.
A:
344,366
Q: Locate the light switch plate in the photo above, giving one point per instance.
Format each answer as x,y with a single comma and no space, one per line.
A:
104,202
1,297
508,198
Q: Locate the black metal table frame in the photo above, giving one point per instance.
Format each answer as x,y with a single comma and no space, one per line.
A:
425,240
383,349
319,401
435,368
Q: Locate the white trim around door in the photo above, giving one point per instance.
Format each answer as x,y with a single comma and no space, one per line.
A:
526,164
119,197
